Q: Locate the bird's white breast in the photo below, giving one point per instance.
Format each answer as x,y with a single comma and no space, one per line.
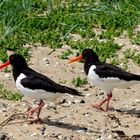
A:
36,93
108,84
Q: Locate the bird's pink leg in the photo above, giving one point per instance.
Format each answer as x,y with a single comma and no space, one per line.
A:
109,96
98,106
36,109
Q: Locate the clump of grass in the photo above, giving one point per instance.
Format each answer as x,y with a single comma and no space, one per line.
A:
79,82
10,95
65,54
132,54
136,39
114,61
136,58
129,54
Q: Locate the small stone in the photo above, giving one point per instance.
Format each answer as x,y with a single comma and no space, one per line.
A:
7,76
67,104
114,125
85,89
42,129
82,101
77,101
60,137
135,102
82,130
121,44
3,136
118,133
88,94
57,63
34,134
46,60
66,47
109,137
71,96
86,114
3,105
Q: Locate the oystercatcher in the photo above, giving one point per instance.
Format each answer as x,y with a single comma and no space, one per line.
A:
35,85
105,76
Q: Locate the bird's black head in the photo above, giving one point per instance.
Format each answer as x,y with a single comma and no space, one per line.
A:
89,55
17,60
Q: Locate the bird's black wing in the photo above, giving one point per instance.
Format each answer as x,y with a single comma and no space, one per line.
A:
105,70
35,80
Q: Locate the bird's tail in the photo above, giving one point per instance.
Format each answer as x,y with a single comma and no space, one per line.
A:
72,91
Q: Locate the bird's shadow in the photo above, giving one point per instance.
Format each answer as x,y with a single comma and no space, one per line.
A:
69,126
132,112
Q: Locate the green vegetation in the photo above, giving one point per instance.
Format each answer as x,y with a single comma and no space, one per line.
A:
65,54
79,82
136,58
132,54
52,21
136,39
10,95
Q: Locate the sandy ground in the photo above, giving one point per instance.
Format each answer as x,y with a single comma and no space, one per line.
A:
72,118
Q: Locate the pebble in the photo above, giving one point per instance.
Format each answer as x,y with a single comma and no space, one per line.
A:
67,104
66,47
57,63
85,89
7,76
135,102
86,114
34,134
71,96
82,101
114,125
3,136
77,101
82,130
109,137
88,94
60,137
3,105
42,129
46,60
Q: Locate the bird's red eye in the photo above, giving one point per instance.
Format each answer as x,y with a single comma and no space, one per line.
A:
85,51
12,58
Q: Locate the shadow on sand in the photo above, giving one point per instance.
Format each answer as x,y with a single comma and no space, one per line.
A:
127,111
69,126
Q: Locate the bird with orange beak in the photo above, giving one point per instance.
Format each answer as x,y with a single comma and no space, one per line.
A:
105,76
35,85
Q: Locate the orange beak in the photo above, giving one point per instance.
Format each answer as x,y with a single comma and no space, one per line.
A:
76,59
5,64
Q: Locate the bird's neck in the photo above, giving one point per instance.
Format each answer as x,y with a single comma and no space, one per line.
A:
17,71
89,62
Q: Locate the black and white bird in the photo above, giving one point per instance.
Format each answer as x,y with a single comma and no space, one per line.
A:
105,76
35,85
